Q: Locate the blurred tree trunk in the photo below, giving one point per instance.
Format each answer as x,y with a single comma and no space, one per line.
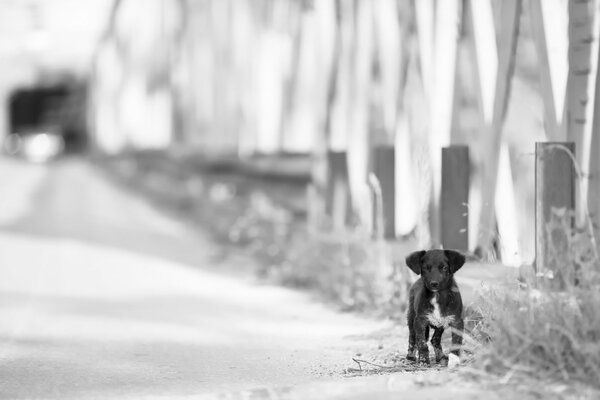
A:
438,30
320,167
581,96
550,29
580,84
507,45
358,141
293,77
391,29
406,201
593,151
333,80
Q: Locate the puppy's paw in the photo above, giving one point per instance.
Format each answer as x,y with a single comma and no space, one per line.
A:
453,360
411,357
443,360
440,357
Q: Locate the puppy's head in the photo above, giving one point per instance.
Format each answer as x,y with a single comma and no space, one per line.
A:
436,267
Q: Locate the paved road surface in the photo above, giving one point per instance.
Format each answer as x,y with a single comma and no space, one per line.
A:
102,296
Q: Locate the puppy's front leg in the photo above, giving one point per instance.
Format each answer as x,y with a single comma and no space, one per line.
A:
436,341
411,335
457,340
421,327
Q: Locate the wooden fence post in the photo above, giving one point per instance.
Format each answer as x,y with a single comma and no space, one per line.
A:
555,181
384,162
455,198
338,205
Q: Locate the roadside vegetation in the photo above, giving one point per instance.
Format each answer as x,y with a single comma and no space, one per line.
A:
547,326
544,327
347,268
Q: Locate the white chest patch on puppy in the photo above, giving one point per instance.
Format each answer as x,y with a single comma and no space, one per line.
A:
435,317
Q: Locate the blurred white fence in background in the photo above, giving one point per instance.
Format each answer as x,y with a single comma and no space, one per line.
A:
300,76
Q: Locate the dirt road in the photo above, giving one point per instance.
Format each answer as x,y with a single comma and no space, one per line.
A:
102,296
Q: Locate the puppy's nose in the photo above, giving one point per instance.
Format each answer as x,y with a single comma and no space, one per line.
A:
434,285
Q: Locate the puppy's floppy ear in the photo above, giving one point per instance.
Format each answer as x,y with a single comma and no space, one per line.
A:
413,261
455,259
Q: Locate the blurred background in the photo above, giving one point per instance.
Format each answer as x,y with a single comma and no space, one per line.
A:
301,79
325,138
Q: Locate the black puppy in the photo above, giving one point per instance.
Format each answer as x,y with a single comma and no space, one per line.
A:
434,301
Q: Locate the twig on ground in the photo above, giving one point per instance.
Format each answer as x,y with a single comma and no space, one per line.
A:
359,361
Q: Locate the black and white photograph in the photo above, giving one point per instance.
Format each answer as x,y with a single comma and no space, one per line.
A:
299,199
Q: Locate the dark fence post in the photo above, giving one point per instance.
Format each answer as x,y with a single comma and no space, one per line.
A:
455,198
384,168
338,205
555,181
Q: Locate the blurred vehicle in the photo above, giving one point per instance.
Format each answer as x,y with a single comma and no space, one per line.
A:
39,144
46,121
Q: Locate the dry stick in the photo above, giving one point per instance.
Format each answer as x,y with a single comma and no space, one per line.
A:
359,361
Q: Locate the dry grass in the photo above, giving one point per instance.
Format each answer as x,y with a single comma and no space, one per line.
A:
548,326
345,267
348,268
